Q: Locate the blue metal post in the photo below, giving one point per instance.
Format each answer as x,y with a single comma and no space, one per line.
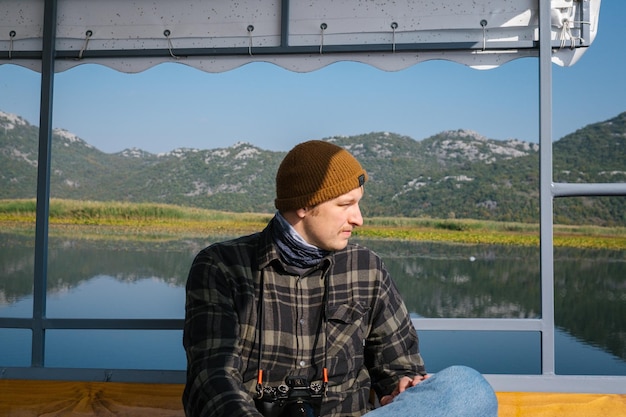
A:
545,189
43,183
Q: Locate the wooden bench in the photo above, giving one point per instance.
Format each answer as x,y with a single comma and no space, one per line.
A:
29,398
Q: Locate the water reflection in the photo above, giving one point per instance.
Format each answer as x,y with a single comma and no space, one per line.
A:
73,262
485,285
146,280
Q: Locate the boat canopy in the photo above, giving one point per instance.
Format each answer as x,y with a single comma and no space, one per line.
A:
302,36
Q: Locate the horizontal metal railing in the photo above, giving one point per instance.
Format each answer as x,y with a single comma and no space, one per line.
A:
500,382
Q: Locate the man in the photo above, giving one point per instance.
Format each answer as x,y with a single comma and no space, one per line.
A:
295,320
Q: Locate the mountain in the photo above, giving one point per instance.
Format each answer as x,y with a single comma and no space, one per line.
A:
454,174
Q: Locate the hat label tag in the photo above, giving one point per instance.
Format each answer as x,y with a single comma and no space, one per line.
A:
361,180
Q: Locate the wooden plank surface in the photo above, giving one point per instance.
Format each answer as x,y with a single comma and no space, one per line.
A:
541,404
28,398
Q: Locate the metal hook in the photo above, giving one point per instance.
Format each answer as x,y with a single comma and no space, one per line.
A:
394,26
88,35
250,29
323,26
170,47
11,36
483,23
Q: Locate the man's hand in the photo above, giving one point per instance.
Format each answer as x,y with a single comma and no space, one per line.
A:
404,383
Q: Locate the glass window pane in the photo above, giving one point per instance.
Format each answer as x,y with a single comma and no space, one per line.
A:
111,280
464,281
590,311
19,141
489,352
15,349
16,273
121,349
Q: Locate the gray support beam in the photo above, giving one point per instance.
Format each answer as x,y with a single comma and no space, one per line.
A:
585,23
503,46
43,183
284,23
148,376
467,324
562,189
94,324
600,384
545,190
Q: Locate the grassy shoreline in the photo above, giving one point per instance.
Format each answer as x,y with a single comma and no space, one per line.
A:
162,222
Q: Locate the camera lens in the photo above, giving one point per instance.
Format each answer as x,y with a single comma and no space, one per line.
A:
298,409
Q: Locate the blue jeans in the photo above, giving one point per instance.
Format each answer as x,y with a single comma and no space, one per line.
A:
457,391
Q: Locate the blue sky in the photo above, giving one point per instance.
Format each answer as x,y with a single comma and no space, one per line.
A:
172,105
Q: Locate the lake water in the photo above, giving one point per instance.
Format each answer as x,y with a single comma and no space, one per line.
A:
89,279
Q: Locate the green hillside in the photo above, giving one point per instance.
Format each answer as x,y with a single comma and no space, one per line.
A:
454,174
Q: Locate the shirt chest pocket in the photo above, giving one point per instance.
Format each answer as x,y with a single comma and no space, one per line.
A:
346,332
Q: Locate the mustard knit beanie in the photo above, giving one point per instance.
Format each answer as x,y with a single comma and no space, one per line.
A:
314,172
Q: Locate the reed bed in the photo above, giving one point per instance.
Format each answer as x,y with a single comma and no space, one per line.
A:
151,221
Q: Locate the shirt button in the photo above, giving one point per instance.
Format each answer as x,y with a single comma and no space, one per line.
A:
301,321
302,363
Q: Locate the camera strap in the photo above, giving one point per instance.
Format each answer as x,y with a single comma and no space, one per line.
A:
321,329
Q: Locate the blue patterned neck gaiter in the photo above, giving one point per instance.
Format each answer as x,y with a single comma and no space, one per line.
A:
294,250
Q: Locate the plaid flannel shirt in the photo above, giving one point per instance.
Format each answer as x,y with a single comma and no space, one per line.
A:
361,333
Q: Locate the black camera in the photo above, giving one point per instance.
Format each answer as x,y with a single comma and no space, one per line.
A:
295,398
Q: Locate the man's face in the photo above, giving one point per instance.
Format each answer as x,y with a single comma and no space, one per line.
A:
329,225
